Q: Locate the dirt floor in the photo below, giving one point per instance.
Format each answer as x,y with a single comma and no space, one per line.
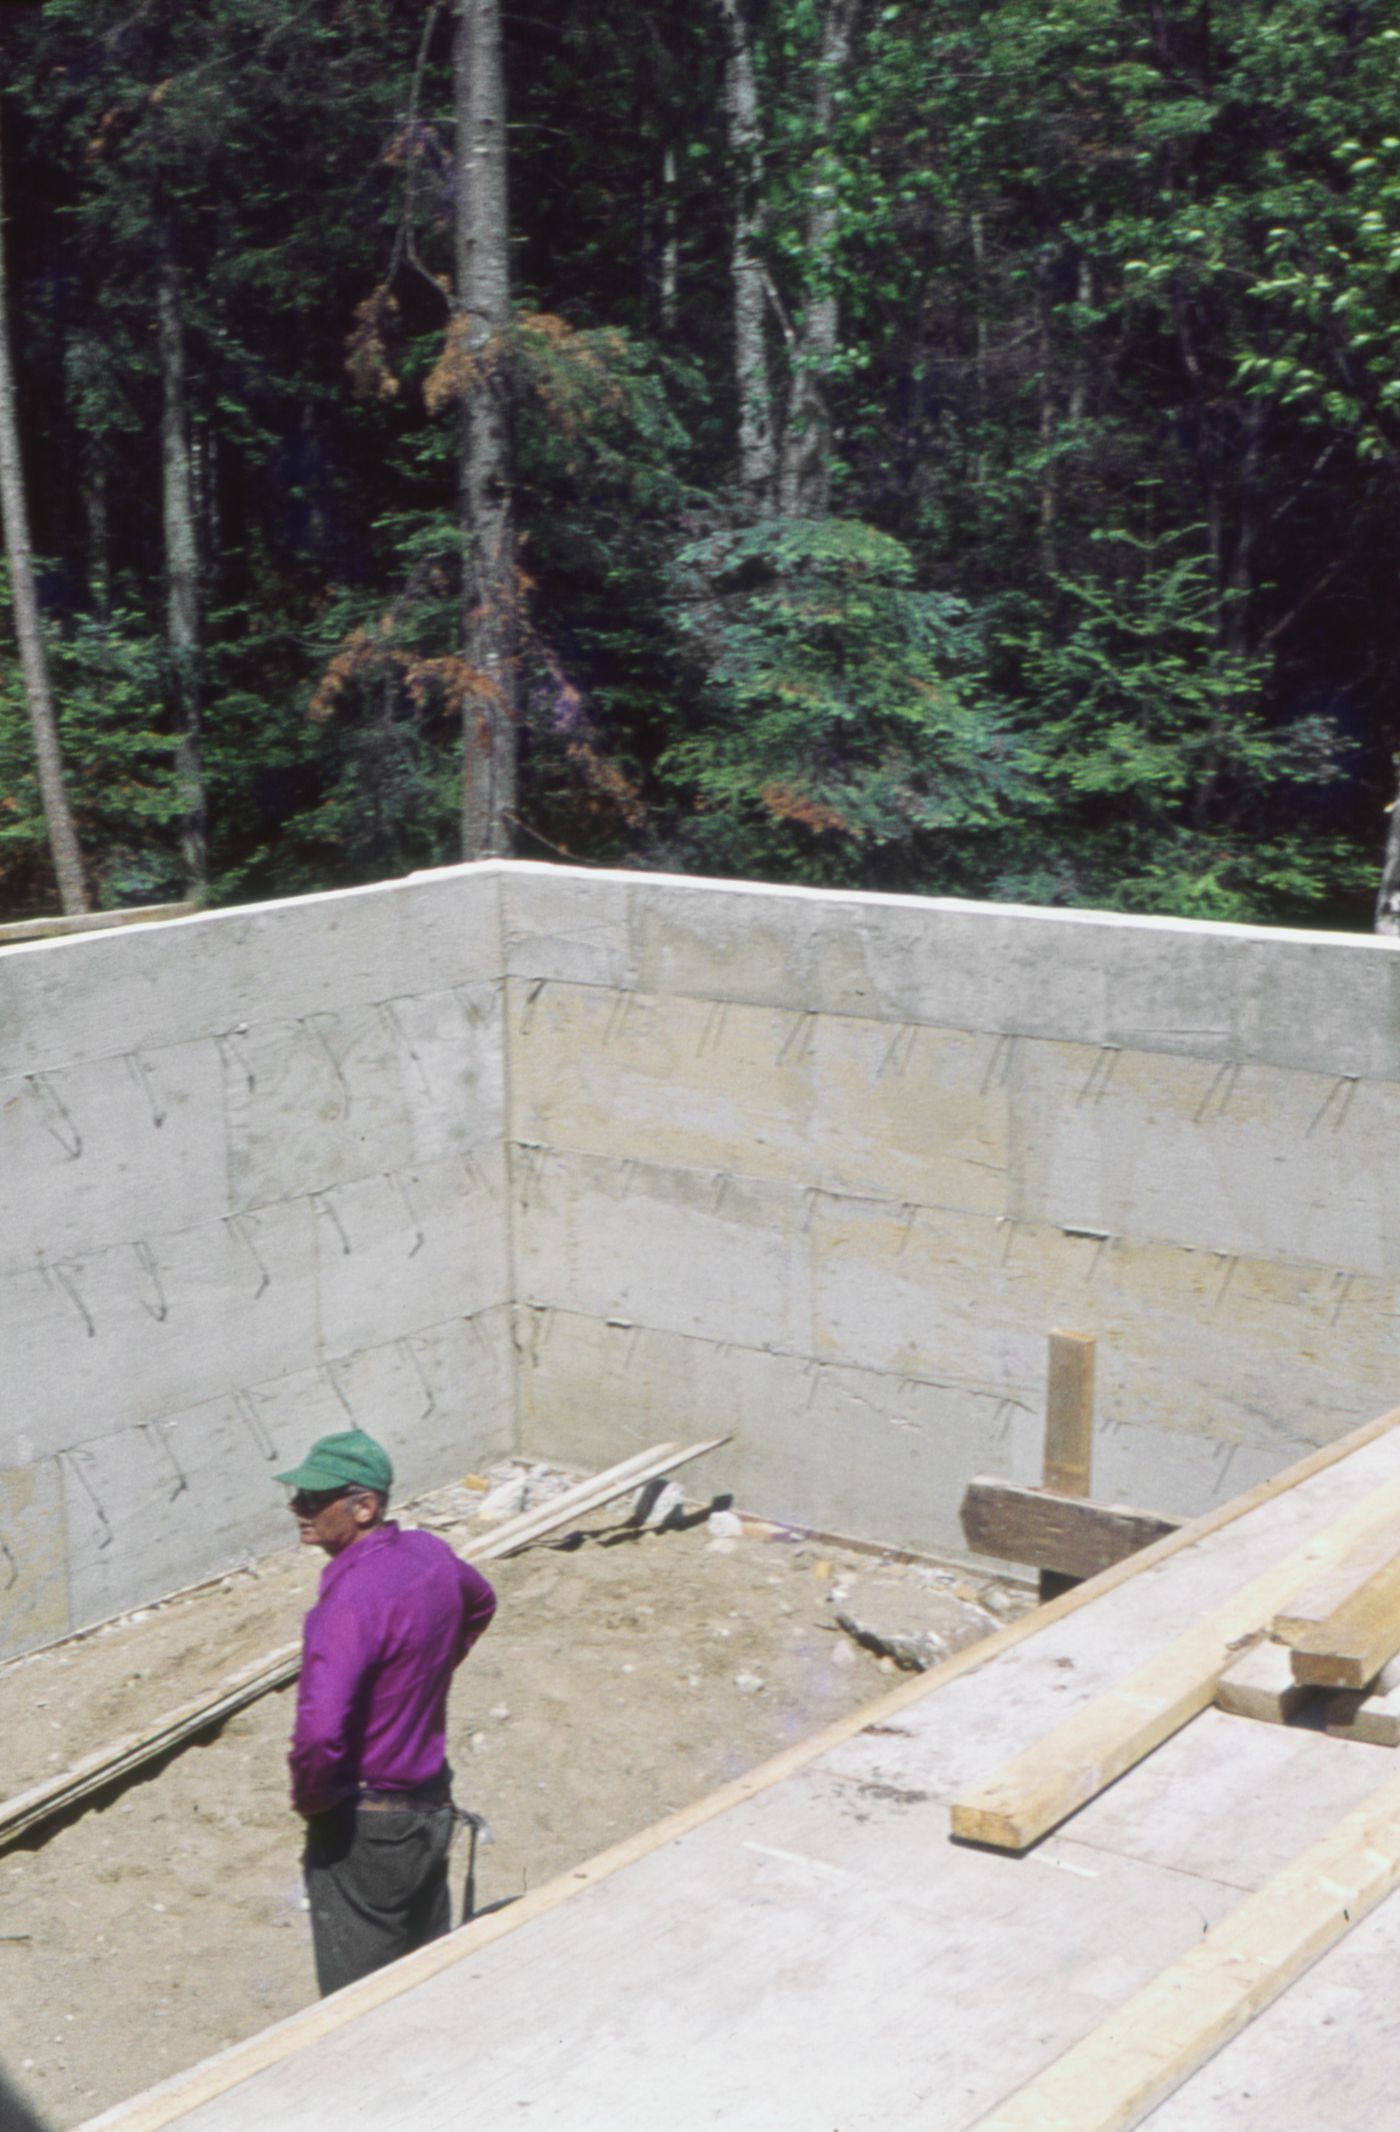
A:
629,1671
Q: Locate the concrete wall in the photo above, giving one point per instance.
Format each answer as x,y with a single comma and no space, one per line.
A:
825,1169
821,1169
251,1187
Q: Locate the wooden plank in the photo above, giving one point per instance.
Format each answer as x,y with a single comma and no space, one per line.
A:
184,2093
1069,1429
1349,1648
1054,1531
1323,1595
1120,2072
28,1810
1069,1413
1037,1790
1370,1715
1260,1685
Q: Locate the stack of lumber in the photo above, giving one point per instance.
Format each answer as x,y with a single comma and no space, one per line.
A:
1343,1633
1039,1789
1327,1615
1340,1631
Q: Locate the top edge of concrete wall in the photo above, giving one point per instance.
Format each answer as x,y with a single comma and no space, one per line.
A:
1318,1002
878,899
98,994
177,917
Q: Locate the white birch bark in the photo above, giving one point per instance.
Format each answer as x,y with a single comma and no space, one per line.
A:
670,243
1388,898
748,294
805,478
489,589
53,790
182,602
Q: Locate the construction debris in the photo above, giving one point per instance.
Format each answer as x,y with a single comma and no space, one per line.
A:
911,1619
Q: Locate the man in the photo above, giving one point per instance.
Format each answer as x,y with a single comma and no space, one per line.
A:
397,1614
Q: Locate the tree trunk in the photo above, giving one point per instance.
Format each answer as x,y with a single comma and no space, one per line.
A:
182,616
1079,394
670,243
1049,489
1238,583
482,311
757,454
1388,900
977,233
63,837
805,481
99,537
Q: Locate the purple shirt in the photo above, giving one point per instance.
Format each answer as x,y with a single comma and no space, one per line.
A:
397,1614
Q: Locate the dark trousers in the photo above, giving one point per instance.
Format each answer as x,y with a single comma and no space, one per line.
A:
377,1885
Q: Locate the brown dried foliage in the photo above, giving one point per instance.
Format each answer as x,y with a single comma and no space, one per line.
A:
458,368
569,370
790,806
366,347
442,686
355,654
608,787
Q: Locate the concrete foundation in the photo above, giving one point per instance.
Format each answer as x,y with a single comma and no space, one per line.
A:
821,1169
252,1188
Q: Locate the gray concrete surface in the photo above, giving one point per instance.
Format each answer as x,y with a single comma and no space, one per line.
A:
825,1169
252,1187
523,1156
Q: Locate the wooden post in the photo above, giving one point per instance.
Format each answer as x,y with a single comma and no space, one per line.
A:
1069,1429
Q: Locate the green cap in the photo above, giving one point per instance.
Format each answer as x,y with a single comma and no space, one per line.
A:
350,1459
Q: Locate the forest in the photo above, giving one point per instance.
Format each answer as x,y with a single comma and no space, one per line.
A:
944,448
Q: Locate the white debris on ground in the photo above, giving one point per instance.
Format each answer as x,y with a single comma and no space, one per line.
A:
913,1615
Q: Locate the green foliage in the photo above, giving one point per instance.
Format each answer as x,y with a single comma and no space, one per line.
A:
1078,254
107,681
843,720
1159,784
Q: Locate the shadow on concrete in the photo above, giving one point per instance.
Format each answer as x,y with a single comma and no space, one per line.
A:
17,2115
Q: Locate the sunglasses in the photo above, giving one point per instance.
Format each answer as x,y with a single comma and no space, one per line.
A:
310,1502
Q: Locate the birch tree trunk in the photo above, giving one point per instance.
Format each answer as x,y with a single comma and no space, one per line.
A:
489,584
670,243
182,615
748,295
1388,899
805,477
1049,485
99,538
53,791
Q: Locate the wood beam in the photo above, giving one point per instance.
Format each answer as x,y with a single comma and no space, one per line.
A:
1069,1413
1057,1532
1142,2053
1337,1587
1260,1685
1069,1428
1370,1715
1349,1647
1037,1790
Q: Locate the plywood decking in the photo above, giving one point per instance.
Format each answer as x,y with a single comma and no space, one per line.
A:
812,1951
